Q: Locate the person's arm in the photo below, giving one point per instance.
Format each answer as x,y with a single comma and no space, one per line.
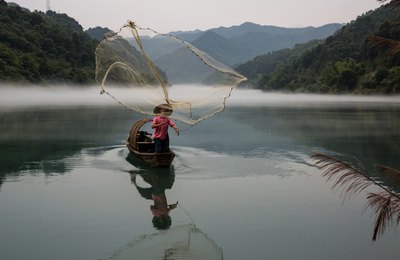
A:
156,124
171,123
172,206
176,129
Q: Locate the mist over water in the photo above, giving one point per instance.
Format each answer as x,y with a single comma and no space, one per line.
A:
244,176
19,97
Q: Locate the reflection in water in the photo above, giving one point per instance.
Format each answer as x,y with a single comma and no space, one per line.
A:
160,208
159,179
185,241
39,140
179,242
250,149
367,132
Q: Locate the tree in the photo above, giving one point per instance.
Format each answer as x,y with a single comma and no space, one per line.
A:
385,199
43,48
392,46
345,62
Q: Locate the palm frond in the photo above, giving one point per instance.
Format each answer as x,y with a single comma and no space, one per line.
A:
391,174
344,175
393,3
392,46
387,210
385,203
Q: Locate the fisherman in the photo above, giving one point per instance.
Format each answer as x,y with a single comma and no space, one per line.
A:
160,125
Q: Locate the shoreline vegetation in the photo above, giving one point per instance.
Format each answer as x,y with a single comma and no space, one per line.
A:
384,198
45,48
346,62
52,49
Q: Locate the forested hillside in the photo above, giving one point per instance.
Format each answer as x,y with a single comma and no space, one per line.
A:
38,47
97,33
263,66
237,44
345,62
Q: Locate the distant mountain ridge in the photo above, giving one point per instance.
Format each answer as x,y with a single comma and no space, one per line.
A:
248,27
248,40
345,62
220,48
52,47
229,45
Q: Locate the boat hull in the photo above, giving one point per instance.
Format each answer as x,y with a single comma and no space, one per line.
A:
141,146
153,159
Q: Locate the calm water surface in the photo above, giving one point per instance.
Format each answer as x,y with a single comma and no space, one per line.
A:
243,180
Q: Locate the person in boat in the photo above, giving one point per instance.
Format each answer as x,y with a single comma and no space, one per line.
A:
160,124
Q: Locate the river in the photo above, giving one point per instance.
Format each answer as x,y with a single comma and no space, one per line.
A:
243,179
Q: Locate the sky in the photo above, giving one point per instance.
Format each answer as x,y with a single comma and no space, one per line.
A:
186,15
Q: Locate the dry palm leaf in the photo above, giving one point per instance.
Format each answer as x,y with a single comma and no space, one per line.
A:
387,209
391,174
393,3
392,46
385,204
344,176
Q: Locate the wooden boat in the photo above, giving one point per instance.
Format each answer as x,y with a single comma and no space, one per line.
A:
141,145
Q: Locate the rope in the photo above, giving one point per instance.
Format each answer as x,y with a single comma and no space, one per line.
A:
190,47
187,214
133,27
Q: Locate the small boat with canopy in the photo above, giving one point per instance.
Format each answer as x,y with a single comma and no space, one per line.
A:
141,145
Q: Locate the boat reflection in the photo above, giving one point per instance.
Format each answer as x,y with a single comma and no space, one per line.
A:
184,241
159,183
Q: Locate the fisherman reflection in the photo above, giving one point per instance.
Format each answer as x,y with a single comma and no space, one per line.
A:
159,183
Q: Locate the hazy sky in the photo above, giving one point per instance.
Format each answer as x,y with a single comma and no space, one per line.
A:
173,15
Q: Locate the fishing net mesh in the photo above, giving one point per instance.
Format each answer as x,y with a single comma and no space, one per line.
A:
179,242
142,71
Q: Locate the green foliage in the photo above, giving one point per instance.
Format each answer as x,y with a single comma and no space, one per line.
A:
43,48
344,63
97,33
261,67
391,83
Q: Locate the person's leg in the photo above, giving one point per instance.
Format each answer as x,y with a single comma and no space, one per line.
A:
165,145
158,145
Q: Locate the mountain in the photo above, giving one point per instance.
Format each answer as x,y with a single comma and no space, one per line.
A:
38,47
157,46
220,48
306,32
97,33
188,36
237,44
344,62
261,67
248,27
181,66
117,50
232,46
249,40
258,42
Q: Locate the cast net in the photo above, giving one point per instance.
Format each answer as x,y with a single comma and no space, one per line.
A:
142,71
179,242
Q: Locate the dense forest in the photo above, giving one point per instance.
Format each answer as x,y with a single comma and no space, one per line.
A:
263,66
37,47
346,62
97,33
